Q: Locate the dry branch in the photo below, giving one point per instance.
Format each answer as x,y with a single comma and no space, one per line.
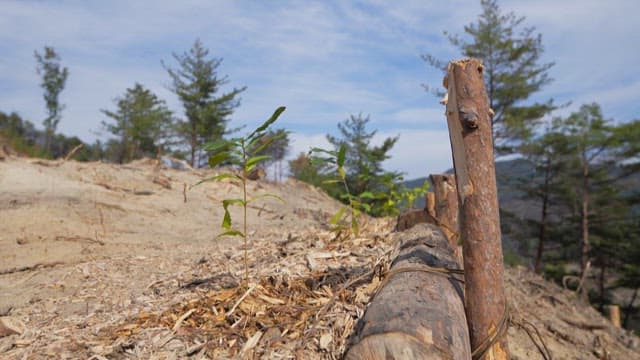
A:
78,239
31,267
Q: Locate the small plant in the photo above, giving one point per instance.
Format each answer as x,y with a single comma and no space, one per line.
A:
351,212
241,152
397,196
382,202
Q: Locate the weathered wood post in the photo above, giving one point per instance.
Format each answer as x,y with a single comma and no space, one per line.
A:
614,314
469,121
446,208
418,313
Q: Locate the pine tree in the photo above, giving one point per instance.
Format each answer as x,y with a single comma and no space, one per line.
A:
363,162
54,78
547,152
511,54
141,122
197,84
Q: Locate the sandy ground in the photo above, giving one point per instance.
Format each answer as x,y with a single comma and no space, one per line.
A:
101,261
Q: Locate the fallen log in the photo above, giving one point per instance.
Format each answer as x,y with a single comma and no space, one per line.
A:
418,312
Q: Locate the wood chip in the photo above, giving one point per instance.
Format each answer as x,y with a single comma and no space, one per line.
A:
325,341
10,325
181,319
252,342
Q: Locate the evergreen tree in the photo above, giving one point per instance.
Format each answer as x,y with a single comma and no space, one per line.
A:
277,147
547,152
363,161
591,142
513,71
141,121
363,164
54,78
197,84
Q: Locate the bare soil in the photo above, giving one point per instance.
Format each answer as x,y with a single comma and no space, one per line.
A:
110,262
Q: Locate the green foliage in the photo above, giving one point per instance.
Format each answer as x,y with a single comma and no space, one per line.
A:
197,84
275,145
54,78
350,213
352,173
511,54
22,136
141,120
245,153
362,161
512,258
556,271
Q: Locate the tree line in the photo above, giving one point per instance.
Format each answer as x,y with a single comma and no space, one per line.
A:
584,229
141,124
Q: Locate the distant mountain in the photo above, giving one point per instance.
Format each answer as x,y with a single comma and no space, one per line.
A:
510,175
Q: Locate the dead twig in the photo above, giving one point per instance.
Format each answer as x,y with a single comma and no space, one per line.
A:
73,151
78,239
583,325
251,288
31,267
182,318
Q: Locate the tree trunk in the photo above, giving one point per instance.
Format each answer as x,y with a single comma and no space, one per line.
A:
469,121
629,308
416,314
584,232
543,219
601,288
584,216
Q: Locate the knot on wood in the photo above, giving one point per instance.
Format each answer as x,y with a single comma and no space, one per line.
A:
469,119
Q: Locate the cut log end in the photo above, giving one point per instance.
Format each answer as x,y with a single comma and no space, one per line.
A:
395,346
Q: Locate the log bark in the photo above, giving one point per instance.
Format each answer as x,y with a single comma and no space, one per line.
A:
431,204
409,218
469,121
415,314
446,209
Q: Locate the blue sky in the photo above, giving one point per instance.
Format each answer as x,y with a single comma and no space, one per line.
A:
324,60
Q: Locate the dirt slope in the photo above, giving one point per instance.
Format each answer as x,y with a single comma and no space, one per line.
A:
110,261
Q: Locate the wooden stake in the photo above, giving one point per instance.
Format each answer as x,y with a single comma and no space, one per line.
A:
446,209
469,120
614,315
431,204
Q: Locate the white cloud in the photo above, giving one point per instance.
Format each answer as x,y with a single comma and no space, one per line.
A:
301,143
419,153
323,60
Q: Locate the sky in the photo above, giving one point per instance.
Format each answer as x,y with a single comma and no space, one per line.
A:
323,60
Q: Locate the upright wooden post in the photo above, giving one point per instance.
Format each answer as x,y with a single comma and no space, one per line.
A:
469,121
614,314
446,208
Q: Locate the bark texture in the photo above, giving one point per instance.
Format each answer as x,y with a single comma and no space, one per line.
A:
469,121
415,314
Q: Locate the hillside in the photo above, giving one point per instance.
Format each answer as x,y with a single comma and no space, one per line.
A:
106,261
